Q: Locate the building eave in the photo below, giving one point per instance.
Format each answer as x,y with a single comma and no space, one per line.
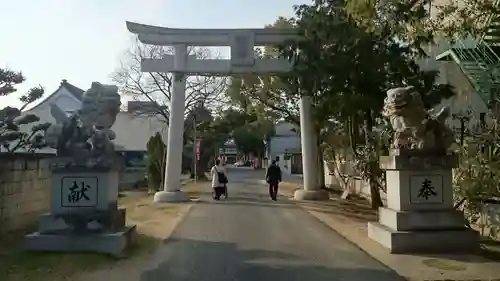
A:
75,92
46,99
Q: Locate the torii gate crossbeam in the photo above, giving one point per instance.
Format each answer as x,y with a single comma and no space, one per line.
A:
242,43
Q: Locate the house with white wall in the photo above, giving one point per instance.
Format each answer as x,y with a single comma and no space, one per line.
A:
467,97
228,153
133,127
67,98
286,145
468,65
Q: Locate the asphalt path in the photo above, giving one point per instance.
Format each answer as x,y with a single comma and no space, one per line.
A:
250,237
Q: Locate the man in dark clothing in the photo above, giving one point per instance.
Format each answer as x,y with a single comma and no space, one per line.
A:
273,178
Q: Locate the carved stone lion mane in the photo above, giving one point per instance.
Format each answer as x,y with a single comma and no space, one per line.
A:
86,135
414,126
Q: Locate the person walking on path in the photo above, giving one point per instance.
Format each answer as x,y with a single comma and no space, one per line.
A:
219,179
273,178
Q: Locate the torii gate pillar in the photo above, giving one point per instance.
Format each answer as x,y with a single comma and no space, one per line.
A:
242,42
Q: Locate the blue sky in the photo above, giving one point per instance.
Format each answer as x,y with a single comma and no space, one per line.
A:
82,40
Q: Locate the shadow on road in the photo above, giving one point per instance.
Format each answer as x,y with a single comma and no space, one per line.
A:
250,199
192,260
251,203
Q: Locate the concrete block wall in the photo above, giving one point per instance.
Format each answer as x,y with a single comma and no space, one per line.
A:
285,165
25,182
488,223
335,178
129,177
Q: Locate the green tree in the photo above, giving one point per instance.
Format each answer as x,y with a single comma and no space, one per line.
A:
347,68
156,161
213,132
419,23
247,141
12,137
267,95
198,116
250,137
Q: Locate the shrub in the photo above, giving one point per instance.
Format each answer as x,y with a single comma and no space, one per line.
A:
156,159
12,138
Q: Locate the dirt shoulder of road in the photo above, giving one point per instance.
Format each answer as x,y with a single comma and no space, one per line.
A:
155,223
350,218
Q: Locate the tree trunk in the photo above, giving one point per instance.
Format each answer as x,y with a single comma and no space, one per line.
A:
352,128
200,174
376,200
163,166
207,153
202,165
200,170
321,164
321,170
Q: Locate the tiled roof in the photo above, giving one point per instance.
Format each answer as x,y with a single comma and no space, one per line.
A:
74,90
144,107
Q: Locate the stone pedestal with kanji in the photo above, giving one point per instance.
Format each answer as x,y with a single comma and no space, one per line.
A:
419,216
84,214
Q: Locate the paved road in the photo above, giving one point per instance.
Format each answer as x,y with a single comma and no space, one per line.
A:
251,238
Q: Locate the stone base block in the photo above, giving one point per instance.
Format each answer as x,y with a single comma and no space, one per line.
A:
101,183
49,223
113,243
421,220
412,242
312,195
171,196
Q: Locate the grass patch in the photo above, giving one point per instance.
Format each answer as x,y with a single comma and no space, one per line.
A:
145,244
196,194
490,248
448,265
198,189
21,265
17,264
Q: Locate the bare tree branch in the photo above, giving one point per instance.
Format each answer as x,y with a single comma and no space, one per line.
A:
157,87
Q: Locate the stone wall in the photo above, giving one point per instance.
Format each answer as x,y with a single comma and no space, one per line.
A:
488,222
341,172
132,177
24,190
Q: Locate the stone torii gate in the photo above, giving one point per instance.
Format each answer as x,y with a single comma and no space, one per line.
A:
242,42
